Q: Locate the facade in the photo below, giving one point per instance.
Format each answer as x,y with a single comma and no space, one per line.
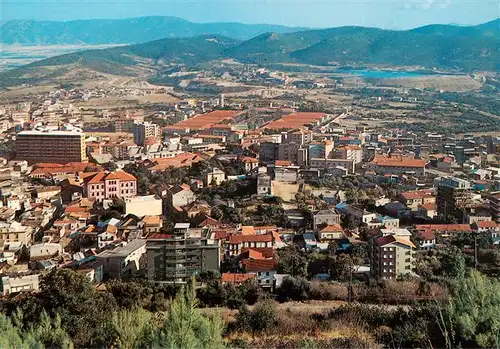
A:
12,285
453,195
413,199
265,269
144,205
331,232
51,146
180,195
124,261
264,185
108,185
145,130
215,176
325,217
392,257
330,165
178,257
319,150
15,232
494,200
351,152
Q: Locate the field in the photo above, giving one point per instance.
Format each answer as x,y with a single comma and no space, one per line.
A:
286,191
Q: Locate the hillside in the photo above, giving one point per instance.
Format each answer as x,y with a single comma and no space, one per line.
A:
123,31
463,49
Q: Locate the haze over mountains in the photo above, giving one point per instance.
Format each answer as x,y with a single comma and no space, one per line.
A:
123,31
465,49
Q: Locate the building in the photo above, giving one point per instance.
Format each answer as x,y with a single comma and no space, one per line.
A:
144,205
250,163
145,130
325,217
331,232
392,256
15,232
51,146
124,125
177,257
215,177
398,165
319,150
453,196
494,200
108,185
12,285
265,269
126,260
180,195
264,185
351,152
413,199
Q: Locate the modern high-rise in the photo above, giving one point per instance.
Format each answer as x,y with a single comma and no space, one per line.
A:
145,130
453,195
175,258
51,146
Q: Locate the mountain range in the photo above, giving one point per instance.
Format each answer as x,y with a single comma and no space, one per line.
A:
454,48
124,31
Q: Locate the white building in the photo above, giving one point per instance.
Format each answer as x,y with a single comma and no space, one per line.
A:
144,205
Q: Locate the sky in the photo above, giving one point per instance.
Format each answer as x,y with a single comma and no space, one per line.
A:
390,14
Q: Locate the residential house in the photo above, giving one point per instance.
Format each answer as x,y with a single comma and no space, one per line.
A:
12,285
180,195
144,205
328,217
237,278
215,177
238,242
331,232
265,269
126,260
108,185
413,199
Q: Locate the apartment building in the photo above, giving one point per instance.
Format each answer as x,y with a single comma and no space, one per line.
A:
124,261
177,257
494,200
51,146
393,255
453,195
351,152
108,185
145,130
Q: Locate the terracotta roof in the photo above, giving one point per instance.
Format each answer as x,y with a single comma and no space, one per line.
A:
398,161
259,265
390,239
264,252
237,278
294,120
238,239
444,227
426,235
417,194
334,227
282,163
248,159
120,175
487,224
350,147
247,230
429,207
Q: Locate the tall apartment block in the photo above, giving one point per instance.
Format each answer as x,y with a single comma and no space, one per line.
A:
453,195
145,130
495,206
393,256
51,146
177,257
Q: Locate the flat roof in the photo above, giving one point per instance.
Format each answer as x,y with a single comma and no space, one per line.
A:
123,251
181,226
50,133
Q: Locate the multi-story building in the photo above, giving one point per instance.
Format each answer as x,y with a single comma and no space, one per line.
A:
289,152
51,146
414,198
453,196
392,256
178,257
124,261
351,152
320,150
325,217
301,137
124,125
108,185
398,165
494,200
145,130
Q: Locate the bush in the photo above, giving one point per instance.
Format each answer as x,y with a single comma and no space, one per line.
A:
293,289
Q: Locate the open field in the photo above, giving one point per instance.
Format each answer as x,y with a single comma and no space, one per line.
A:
286,191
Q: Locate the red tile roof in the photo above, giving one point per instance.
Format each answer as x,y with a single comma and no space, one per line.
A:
390,239
398,161
487,224
334,228
238,239
252,265
444,227
417,194
265,252
237,278
100,177
426,235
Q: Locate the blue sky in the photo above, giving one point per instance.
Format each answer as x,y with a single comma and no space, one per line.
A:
394,14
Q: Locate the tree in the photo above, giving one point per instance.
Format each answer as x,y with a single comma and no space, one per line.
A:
293,289
291,261
185,327
452,262
132,328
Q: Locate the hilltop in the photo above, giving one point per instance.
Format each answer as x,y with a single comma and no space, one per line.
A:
464,49
123,31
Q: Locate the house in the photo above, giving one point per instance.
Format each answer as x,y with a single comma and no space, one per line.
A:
45,251
265,269
384,221
180,195
427,210
12,285
264,185
94,271
108,185
238,242
328,217
215,177
126,260
445,230
363,215
249,163
331,232
488,226
413,199
237,278
427,239
398,165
